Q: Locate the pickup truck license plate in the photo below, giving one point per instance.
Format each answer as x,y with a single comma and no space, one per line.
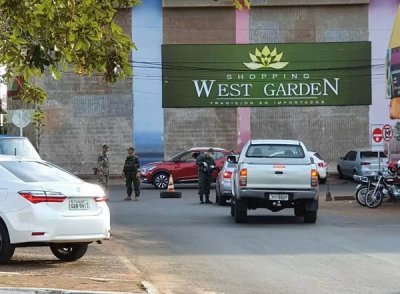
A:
78,204
281,197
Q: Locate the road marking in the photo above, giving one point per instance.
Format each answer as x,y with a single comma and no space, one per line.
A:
129,264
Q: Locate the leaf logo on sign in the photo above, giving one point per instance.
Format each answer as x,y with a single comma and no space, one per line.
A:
266,59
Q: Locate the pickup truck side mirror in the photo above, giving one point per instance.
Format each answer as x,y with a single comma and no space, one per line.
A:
231,159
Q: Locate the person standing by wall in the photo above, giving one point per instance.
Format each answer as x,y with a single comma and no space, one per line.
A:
132,174
103,167
206,165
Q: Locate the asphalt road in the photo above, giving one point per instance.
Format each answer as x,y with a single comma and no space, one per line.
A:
181,246
186,247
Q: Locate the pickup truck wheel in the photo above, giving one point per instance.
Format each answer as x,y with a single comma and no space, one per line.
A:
299,210
310,217
240,211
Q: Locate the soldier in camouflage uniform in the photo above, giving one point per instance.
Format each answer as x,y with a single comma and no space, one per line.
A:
132,174
103,167
206,165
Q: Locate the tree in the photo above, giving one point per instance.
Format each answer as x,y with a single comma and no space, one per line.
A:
56,35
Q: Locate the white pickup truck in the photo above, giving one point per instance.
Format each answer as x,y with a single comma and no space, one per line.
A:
274,174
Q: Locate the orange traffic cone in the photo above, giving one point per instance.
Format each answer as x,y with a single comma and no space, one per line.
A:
171,187
170,193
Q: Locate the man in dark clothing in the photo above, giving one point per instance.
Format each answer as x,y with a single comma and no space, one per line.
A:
206,165
132,174
103,167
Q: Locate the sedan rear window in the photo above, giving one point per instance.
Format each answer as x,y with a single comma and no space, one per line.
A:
371,154
275,151
34,171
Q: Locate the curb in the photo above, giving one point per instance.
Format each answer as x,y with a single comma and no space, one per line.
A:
150,289
343,198
7,290
147,286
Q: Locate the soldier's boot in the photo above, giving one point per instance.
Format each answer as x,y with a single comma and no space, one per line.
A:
201,199
208,199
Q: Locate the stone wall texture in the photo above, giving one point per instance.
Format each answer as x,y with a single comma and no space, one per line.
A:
82,114
331,131
190,127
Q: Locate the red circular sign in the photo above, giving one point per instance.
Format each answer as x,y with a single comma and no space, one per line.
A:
377,135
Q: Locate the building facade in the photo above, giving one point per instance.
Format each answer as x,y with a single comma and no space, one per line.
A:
84,113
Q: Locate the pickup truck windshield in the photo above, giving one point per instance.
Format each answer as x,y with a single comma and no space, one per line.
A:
275,151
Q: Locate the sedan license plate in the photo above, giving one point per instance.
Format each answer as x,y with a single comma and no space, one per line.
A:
78,204
280,197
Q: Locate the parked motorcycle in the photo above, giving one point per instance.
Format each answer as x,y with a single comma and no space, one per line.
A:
366,183
387,186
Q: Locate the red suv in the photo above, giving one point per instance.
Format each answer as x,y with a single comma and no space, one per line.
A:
182,167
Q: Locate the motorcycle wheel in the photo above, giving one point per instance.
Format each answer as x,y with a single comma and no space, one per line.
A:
373,198
361,193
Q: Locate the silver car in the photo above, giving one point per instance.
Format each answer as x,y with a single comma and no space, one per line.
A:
223,184
362,162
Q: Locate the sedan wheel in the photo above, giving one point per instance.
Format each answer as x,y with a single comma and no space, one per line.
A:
6,249
217,195
160,181
69,252
340,172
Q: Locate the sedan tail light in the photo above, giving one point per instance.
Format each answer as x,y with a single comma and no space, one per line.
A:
101,199
42,196
365,163
227,174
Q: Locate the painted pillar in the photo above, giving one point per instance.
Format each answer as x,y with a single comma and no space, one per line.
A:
381,18
242,37
148,126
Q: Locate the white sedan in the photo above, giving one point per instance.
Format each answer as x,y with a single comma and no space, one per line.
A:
43,205
321,165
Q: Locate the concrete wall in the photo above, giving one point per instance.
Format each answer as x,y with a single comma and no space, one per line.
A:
190,127
82,114
331,131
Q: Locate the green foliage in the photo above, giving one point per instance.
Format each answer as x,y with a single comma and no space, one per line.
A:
53,34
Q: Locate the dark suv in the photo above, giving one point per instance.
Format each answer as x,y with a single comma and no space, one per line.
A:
182,167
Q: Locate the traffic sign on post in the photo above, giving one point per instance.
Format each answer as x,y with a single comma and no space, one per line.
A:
377,135
387,132
376,132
